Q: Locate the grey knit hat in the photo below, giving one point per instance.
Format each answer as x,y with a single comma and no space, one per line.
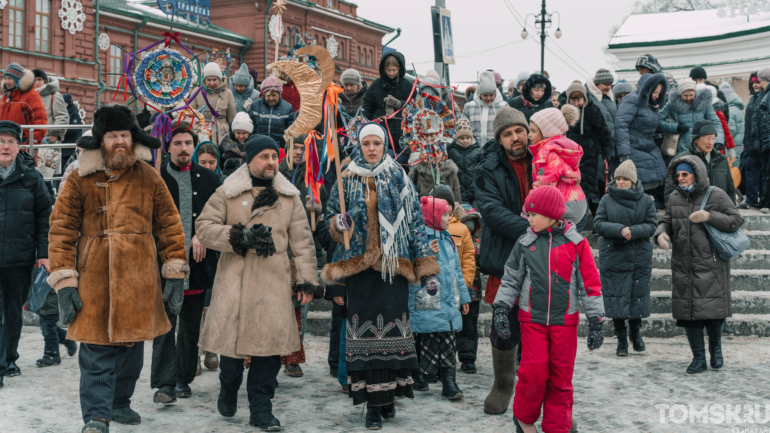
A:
764,74
576,86
486,83
603,76
506,117
622,87
628,170
430,90
444,192
523,76
351,76
242,76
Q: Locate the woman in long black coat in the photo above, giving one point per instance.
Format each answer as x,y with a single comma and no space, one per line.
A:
626,220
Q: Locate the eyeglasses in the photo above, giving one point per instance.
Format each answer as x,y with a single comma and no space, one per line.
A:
683,174
9,143
707,139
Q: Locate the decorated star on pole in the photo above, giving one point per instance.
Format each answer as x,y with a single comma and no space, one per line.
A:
279,7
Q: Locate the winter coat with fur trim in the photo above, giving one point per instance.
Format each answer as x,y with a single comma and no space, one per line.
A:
531,107
106,235
595,138
677,112
55,107
24,106
482,116
717,169
466,159
223,102
700,279
635,124
423,180
251,312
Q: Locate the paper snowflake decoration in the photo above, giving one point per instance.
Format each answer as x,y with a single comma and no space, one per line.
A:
3,4
332,46
276,27
72,16
81,112
104,41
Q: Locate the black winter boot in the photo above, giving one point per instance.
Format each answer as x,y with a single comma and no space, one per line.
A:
695,337
165,395
636,335
1,381
71,346
183,390
715,345
96,426
265,421
388,411
726,329
622,342
49,358
419,381
431,378
373,417
227,403
125,415
449,388
504,367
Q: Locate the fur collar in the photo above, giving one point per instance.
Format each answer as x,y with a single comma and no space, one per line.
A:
240,182
592,89
91,160
26,82
449,167
701,102
645,86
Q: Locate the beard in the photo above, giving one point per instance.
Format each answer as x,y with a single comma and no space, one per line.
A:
515,153
119,160
264,174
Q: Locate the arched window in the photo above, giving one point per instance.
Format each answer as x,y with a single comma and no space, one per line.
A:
358,55
323,41
341,50
369,62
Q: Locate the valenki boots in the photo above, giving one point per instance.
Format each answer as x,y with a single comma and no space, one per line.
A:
695,337
505,367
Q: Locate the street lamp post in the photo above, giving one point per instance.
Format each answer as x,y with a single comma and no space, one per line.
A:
544,20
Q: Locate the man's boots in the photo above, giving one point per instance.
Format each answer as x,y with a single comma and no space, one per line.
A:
715,345
49,358
695,337
504,367
622,349
636,335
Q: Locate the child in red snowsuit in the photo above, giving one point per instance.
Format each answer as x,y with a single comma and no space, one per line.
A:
549,267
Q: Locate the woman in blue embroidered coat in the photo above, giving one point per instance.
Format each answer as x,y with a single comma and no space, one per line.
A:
388,251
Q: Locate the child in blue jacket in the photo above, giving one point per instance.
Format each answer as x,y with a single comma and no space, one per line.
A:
437,323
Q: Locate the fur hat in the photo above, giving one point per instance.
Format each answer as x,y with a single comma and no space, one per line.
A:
242,122
116,117
241,77
553,122
444,192
39,73
469,91
622,87
351,76
432,210
463,128
546,201
764,74
486,83
698,72
272,83
212,70
686,84
628,170
508,116
603,76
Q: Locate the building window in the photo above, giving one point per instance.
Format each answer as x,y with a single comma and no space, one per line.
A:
16,24
116,65
358,55
42,25
369,59
341,51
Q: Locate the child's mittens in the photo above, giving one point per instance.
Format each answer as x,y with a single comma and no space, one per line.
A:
343,222
595,334
502,325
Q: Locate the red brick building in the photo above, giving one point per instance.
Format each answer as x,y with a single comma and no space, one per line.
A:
31,34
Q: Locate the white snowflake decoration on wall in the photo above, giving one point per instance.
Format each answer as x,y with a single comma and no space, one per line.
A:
81,111
104,41
72,16
332,46
276,27
3,4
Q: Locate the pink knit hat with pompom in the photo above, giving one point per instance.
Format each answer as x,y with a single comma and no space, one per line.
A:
431,213
553,122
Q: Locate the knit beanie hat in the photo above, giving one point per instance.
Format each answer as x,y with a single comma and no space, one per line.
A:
622,87
256,144
686,84
764,74
603,76
39,73
486,83
14,71
553,122
432,209
523,76
703,127
430,90
444,192
511,85
272,83
684,166
546,201
242,77
13,128
506,117
242,122
432,74
212,70
726,88
371,128
498,78
463,128
628,170
577,86
351,76
698,72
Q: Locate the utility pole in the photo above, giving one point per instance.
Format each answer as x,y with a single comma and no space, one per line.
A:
544,20
542,37
439,65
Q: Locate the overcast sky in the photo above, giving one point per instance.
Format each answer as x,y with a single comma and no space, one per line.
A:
485,24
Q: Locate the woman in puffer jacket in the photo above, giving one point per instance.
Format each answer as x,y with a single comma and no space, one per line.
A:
700,278
687,105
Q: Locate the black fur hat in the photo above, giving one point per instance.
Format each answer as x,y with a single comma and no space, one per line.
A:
116,118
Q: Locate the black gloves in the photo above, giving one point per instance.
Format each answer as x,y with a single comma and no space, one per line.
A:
69,302
260,238
681,129
502,325
595,334
173,293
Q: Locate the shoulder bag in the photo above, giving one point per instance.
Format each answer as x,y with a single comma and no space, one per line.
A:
728,245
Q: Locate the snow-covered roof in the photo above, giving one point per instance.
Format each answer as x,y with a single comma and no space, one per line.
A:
671,28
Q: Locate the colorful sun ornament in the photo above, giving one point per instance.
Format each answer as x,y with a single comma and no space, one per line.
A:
223,59
352,129
426,121
164,77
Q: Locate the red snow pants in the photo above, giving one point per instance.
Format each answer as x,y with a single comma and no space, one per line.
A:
545,376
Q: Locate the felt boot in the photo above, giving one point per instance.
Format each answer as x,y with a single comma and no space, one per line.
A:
504,367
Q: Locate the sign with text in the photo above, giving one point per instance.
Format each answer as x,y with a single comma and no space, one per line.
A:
196,11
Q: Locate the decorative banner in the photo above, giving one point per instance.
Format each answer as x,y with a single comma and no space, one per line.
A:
163,77
3,4
223,59
352,129
426,121
72,16
276,28
332,46
104,41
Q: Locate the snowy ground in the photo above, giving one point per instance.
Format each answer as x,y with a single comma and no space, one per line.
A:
612,394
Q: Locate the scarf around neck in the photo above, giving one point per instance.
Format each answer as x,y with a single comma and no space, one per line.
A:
689,188
395,196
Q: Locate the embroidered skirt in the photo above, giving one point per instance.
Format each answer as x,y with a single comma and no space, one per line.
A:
380,387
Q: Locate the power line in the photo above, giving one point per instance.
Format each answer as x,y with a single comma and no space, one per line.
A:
478,52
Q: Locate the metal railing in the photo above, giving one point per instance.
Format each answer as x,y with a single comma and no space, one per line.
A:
32,146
